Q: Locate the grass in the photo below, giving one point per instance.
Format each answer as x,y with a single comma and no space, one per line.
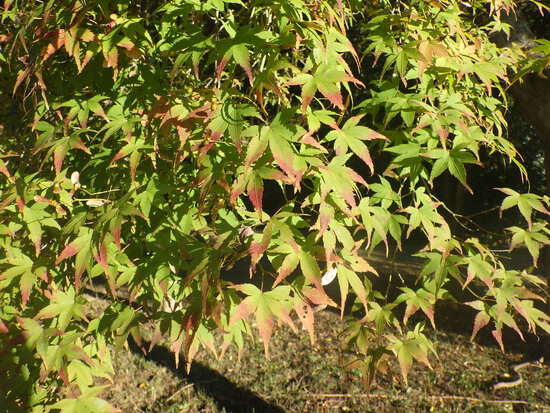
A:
300,377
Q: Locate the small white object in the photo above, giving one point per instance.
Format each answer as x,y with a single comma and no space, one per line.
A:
329,276
95,203
75,178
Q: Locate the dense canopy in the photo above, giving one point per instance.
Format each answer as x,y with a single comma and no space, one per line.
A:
150,146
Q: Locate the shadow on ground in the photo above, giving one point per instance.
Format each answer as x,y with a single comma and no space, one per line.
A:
228,397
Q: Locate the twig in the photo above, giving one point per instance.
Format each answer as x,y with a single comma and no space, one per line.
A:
179,391
433,397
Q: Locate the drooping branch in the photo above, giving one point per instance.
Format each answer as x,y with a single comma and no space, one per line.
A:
531,93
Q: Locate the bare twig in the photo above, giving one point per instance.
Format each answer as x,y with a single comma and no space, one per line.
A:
432,397
179,391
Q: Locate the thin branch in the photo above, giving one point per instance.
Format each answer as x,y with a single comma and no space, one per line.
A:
432,397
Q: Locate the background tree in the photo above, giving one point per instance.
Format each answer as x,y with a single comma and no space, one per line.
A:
139,138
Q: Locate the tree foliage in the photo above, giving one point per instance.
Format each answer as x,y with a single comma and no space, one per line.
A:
140,140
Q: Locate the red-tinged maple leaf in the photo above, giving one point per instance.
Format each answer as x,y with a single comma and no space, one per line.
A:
273,174
359,264
112,58
40,79
326,214
409,311
133,53
480,321
87,57
58,156
191,323
497,334
257,249
317,297
75,246
265,322
4,170
242,57
126,43
351,136
237,188
306,314
26,282
62,148
289,264
101,256
310,270
268,307
256,148
280,133
175,347
134,159
338,179
70,250
244,309
221,65
78,144
419,299
310,140
21,76
347,277
81,262
119,155
57,40
283,154
20,204
255,190
3,328
326,80
42,273
115,228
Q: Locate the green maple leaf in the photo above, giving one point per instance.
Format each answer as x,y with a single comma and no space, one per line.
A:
351,136
525,203
419,299
326,79
65,307
534,240
341,179
347,277
415,346
268,306
532,315
87,402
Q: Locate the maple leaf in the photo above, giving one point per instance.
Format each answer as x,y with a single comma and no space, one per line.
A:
525,203
280,133
66,306
414,346
347,277
62,147
341,179
258,248
420,299
326,79
81,247
306,315
268,306
255,190
351,136
288,266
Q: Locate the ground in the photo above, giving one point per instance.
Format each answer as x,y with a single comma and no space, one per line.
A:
299,377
